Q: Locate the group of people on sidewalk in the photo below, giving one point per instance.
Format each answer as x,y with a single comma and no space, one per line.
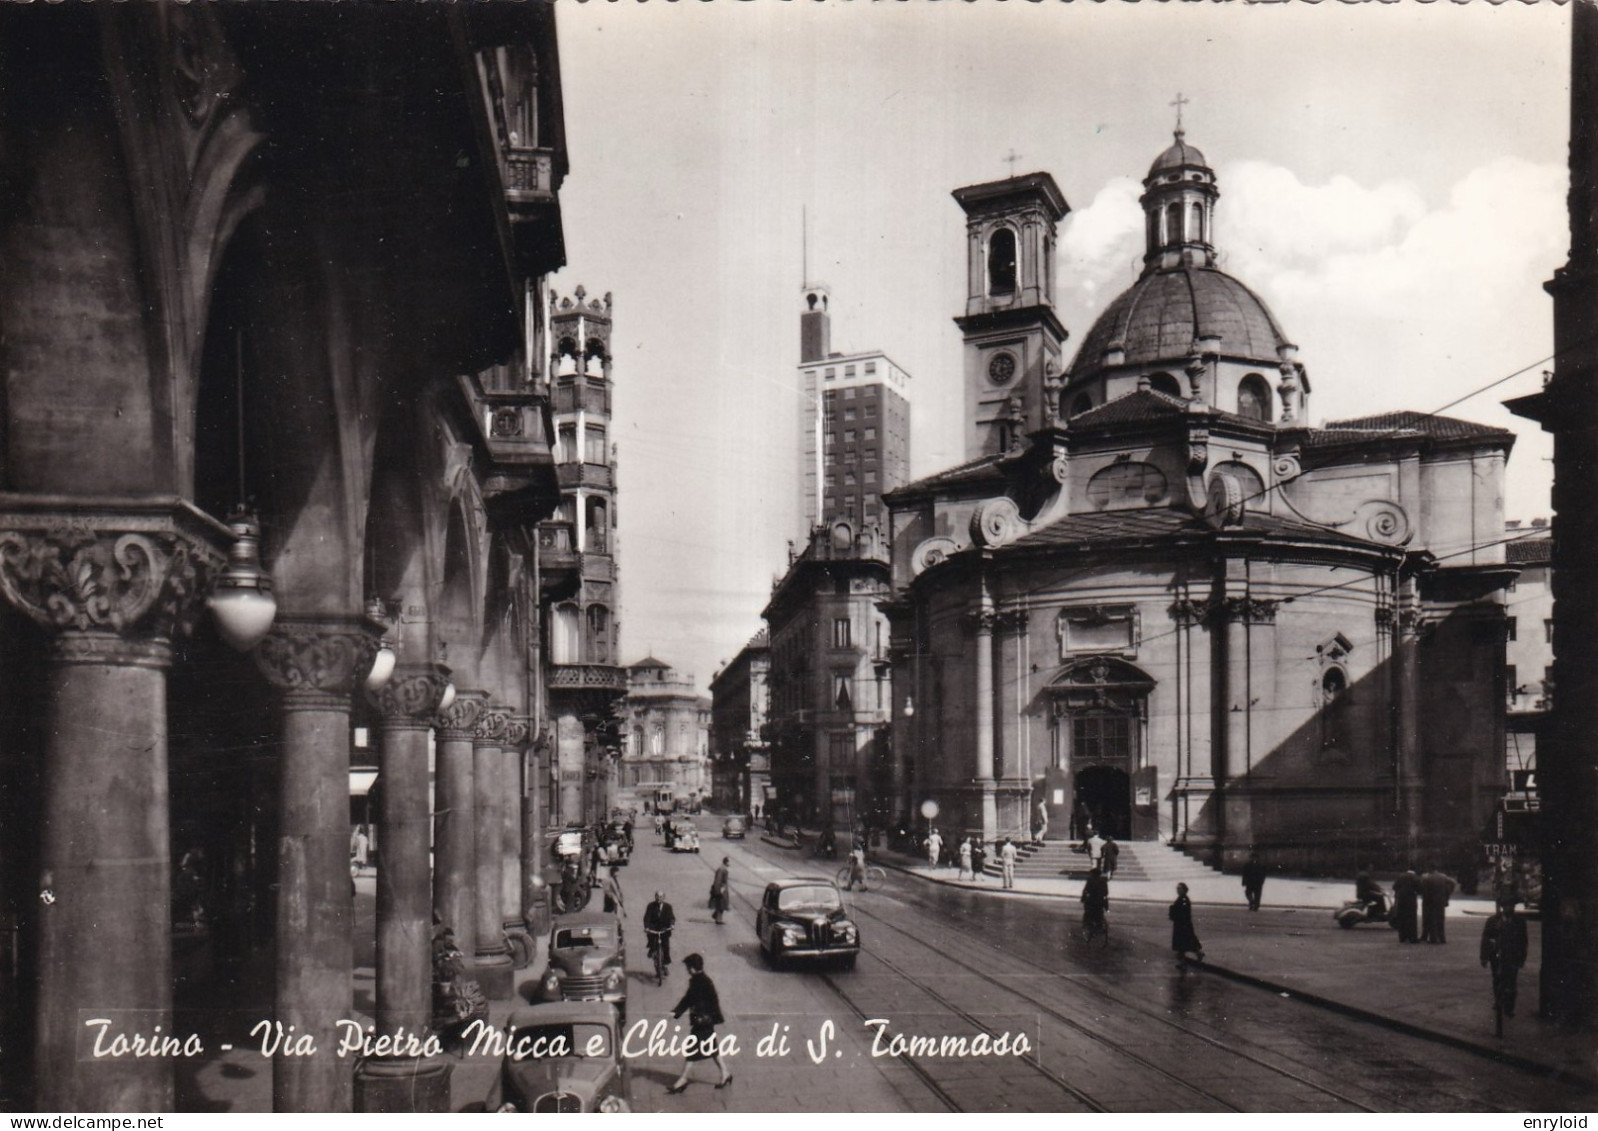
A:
971,855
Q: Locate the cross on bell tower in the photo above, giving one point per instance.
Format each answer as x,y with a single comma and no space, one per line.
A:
1179,103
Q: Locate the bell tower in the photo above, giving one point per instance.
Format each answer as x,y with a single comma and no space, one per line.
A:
1012,336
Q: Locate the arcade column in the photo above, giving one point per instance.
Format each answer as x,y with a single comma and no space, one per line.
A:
112,580
454,841
495,972
315,664
406,706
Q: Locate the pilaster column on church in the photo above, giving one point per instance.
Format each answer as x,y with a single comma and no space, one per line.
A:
113,580
406,705
1196,697
1408,785
569,759
315,664
454,839
494,968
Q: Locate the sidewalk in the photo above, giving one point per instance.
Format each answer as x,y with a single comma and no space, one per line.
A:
1293,946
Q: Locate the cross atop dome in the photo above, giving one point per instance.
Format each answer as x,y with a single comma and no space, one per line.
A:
1179,103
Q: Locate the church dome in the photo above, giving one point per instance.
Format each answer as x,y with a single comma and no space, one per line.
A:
1160,316
1179,153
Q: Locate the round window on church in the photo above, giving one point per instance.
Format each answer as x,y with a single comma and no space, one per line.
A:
1001,368
1123,485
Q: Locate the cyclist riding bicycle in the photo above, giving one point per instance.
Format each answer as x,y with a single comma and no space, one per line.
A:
659,919
857,866
1095,902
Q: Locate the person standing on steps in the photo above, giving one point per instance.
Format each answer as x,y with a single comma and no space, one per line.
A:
719,894
1184,940
1112,854
703,1007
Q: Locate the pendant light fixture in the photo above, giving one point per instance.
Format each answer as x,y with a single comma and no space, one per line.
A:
387,655
241,598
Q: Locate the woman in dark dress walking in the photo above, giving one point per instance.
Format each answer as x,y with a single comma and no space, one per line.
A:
704,1014
1184,940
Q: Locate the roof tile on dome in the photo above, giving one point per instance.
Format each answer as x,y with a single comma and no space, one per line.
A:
1178,154
1158,317
1142,405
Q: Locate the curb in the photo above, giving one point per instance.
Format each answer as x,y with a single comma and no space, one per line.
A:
1525,1064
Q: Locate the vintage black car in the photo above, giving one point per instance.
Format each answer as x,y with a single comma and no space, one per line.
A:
587,961
803,917
733,828
562,1057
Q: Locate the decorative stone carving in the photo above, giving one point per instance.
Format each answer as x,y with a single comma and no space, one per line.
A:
1192,610
997,522
492,724
517,731
104,571
1250,610
1012,620
460,717
327,656
1286,468
930,552
982,620
1382,521
410,694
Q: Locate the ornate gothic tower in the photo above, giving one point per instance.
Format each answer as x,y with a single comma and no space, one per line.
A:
1012,336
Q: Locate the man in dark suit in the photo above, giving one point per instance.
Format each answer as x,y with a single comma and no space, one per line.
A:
1406,903
1435,888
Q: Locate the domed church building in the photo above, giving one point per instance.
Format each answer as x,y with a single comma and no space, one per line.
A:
1157,599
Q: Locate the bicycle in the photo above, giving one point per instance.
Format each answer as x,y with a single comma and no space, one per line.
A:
874,875
657,951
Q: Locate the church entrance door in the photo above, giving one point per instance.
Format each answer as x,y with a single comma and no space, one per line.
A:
1105,794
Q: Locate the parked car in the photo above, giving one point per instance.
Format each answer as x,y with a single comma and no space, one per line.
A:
562,1057
733,828
686,838
803,917
587,961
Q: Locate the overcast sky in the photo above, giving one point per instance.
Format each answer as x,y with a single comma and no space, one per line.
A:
1392,184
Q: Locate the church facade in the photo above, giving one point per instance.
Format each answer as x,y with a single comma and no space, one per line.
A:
1157,600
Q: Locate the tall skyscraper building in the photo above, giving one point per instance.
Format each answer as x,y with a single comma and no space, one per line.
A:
854,431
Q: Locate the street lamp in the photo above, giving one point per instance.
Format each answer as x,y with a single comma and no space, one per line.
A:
241,598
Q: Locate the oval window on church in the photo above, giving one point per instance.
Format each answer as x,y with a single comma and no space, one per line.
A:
1124,485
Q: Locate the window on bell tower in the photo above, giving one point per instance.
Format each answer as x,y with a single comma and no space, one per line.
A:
1001,263
1254,398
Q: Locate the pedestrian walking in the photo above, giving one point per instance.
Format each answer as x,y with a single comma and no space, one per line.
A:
1043,822
1435,888
1406,907
611,886
965,859
1095,852
1007,856
1184,940
719,892
1253,880
703,1007
1503,947
979,859
1112,855
360,848
1095,902
934,848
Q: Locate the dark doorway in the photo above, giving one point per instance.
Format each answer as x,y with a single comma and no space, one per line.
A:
1105,793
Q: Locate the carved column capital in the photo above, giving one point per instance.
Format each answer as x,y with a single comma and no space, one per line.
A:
459,719
137,568
1192,610
517,730
317,657
411,694
1012,620
1250,610
492,723
982,620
